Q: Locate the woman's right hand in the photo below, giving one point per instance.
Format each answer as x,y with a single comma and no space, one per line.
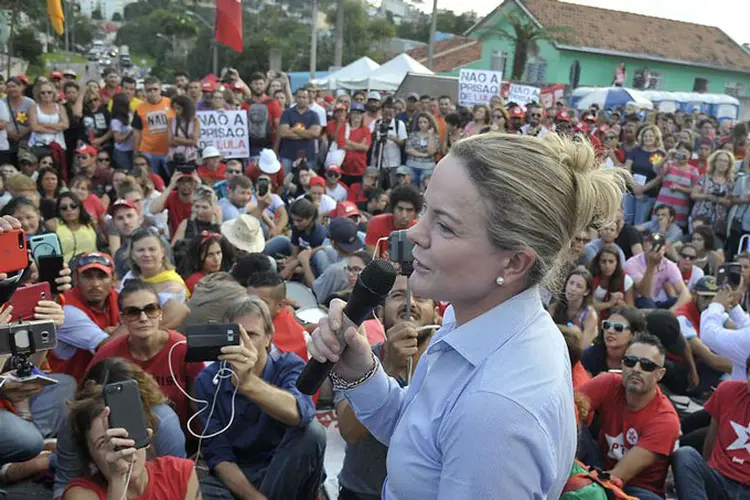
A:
356,360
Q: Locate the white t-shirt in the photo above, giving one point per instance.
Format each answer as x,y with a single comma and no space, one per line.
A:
276,203
4,117
339,193
327,204
601,292
392,151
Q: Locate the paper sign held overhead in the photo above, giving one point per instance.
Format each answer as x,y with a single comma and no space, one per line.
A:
226,131
476,86
523,94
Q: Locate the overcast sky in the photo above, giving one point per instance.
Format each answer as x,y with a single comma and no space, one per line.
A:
732,16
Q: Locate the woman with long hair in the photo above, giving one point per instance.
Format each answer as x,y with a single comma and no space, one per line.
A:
421,147
482,119
18,126
50,185
575,306
183,129
203,217
207,253
122,132
48,119
27,213
73,226
678,180
612,286
96,121
73,460
152,345
713,192
642,161
622,324
48,161
704,241
355,139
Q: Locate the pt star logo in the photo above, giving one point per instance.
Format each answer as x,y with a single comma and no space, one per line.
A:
743,437
616,447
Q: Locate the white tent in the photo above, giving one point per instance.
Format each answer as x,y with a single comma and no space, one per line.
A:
360,67
388,76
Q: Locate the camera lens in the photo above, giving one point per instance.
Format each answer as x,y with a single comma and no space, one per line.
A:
45,337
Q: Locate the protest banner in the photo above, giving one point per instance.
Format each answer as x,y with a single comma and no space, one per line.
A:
523,94
226,131
476,86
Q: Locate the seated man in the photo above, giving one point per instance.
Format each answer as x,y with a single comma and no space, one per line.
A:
234,168
211,169
639,426
651,271
289,336
344,239
405,205
363,473
91,316
273,446
239,193
730,341
607,236
663,223
724,474
711,367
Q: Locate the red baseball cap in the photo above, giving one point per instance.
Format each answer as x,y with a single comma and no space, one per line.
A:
582,127
328,99
588,117
23,78
334,168
237,86
208,86
317,181
341,107
87,149
345,209
122,204
517,112
562,115
95,260
55,75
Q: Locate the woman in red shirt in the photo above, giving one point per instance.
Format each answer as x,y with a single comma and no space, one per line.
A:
208,253
121,470
355,139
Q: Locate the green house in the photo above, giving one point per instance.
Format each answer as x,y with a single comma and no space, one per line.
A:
659,54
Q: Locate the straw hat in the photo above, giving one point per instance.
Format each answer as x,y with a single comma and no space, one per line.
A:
244,233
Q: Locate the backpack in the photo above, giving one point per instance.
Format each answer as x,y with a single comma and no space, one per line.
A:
259,124
589,483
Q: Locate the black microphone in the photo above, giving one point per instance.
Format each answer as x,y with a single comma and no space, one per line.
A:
373,284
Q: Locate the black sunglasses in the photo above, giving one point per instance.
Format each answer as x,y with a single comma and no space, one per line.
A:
72,206
134,313
615,325
646,364
688,257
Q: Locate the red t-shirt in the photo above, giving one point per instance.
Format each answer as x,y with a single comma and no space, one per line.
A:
580,376
158,182
729,405
381,226
178,211
193,280
95,208
168,477
106,95
211,177
289,336
655,428
274,113
277,179
158,367
356,193
355,162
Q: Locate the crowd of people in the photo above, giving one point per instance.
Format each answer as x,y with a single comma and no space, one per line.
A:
158,234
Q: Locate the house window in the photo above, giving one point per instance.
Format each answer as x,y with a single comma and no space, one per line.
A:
535,70
497,63
647,80
735,89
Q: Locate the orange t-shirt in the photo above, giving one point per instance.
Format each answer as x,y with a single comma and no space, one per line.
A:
152,121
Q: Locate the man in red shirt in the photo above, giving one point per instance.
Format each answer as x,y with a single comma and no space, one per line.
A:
288,336
405,203
263,123
211,170
179,202
726,474
639,426
268,164
111,85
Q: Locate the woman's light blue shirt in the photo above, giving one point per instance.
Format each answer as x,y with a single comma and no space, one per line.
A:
489,413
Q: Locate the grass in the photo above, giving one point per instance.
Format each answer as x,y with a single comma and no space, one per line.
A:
62,57
137,58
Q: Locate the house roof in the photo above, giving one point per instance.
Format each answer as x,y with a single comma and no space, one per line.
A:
593,29
450,54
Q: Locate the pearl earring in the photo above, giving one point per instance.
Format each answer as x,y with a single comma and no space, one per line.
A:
500,281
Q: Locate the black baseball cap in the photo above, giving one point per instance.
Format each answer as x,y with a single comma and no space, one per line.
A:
706,286
343,231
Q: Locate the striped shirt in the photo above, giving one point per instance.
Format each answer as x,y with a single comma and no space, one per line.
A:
676,176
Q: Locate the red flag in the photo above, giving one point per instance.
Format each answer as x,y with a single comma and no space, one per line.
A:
229,23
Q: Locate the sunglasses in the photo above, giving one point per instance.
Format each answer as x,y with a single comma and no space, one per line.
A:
84,157
688,257
535,115
331,174
103,160
646,364
94,258
615,325
134,313
68,207
46,92
583,240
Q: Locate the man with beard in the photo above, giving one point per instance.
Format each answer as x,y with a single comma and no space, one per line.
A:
264,115
638,424
177,199
534,121
364,471
372,107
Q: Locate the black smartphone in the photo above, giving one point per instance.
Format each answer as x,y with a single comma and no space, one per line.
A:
657,242
729,274
49,267
126,410
263,185
204,342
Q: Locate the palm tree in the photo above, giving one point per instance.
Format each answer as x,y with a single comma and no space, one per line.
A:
524,38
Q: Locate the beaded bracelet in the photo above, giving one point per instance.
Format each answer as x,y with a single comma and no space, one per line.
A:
340,384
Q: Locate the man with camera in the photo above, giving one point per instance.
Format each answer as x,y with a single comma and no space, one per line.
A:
388,139
406,320
177,199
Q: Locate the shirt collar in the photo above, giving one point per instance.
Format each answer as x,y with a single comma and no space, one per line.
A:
480,337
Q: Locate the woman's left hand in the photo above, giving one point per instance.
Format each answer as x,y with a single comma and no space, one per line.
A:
49,310
64,282
241,358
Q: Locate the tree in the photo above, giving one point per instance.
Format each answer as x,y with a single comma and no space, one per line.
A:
80,26
524,37
26,46
116,17
360,34
96,15
137,10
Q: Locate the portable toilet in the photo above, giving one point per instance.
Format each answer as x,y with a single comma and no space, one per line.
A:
724,107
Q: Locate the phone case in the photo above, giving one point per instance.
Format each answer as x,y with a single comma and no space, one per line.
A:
49,267
13,251
126,410
43,245
25,299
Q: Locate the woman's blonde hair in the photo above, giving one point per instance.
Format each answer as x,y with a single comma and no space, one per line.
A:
657,135
36,92
539,193
251,305
712,163
142,234
204,193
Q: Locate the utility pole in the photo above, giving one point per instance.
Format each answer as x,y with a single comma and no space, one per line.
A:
314,41
66,34
433,30
338,53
